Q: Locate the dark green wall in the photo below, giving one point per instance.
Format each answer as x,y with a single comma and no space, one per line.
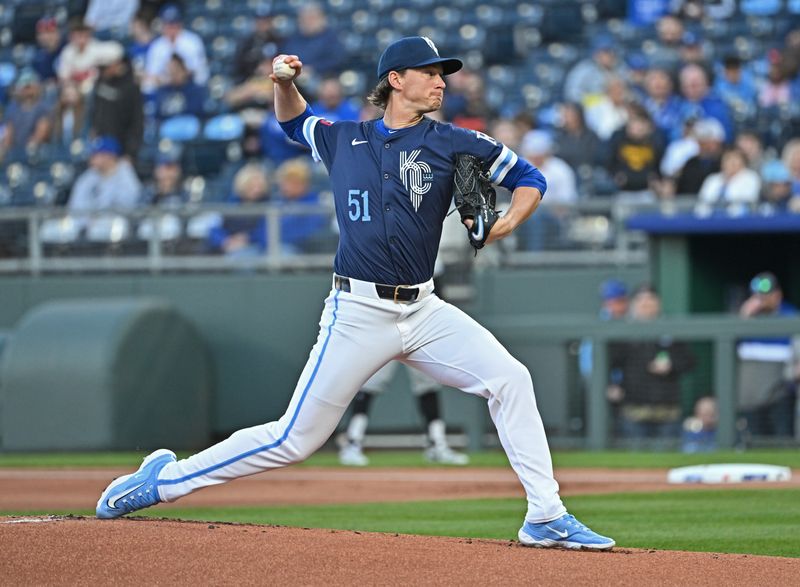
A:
260,328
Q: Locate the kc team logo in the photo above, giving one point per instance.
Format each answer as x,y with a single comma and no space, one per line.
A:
417,176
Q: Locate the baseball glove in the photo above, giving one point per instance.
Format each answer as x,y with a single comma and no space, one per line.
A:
474,198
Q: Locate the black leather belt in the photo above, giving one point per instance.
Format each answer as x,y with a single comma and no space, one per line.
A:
396,293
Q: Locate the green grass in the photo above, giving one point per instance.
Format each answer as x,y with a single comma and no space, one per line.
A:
753,521
605,459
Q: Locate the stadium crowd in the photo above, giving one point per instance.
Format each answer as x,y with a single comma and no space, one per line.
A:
123,104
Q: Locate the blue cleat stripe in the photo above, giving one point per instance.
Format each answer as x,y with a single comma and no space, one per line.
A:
285,434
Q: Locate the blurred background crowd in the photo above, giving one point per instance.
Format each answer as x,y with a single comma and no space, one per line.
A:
145,127
123,104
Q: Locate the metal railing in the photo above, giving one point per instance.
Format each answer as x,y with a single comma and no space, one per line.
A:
594,235
721,330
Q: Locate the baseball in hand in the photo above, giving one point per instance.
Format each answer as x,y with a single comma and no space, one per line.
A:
282,70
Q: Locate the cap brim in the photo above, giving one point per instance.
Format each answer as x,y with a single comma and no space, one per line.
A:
449,65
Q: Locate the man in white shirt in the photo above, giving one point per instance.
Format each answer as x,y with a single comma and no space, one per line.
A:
174,39
103,15
110,183
546,231
80,58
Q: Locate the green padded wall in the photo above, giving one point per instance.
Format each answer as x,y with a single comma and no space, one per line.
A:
122,373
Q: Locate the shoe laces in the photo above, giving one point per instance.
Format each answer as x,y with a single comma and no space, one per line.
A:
570,520
141,498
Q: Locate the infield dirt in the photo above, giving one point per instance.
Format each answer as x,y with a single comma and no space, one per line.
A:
76,550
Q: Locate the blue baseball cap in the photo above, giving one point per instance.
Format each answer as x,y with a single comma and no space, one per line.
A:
776,172
603,43
410,52
105,144
613,288
170,13
264,10
690,38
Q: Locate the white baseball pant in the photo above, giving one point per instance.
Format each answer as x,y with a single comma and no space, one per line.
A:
358,334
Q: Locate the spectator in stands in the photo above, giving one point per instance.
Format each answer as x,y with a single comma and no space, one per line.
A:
79,58
614,306
669,35
546,230
577,144
275,145
263,42
294,189
736,86
319,44
49,45
693,51
256,91
608,112
778,89
768,368
506,131
589,77
244,236
663,104
141,37
791,53
174,39
651,372
166,187
111,15
180,95
776,191
791,158
70,120
700,429
703,9
750,143
110,183
710,136
331,103
117,109
27,118
638,67
678,152
634,153
736,187
700,101
466,104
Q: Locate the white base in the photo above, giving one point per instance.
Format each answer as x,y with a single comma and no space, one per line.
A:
729,473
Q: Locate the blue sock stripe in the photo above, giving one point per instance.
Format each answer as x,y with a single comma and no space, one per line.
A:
285,434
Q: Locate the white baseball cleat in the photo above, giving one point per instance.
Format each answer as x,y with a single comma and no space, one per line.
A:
445,455
351,455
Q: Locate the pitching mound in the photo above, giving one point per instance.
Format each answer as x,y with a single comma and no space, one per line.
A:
68,551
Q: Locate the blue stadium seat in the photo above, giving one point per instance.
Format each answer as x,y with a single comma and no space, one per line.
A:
8,73
225,127
180,128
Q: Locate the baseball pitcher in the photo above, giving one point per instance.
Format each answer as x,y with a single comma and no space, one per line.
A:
393,181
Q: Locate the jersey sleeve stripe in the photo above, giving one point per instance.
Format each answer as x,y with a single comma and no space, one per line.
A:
504,167
309,124
499,161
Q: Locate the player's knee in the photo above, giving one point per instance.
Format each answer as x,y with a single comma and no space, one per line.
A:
298,450
517,379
